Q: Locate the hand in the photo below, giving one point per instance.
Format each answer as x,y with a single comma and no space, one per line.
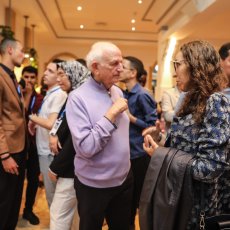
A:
132,119
154,131
149,145
119,106
52,176
32,128
54,144
10,166
29,87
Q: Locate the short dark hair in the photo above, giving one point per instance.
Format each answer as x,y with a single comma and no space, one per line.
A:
224,51
30,69
5,42
136,64
144,72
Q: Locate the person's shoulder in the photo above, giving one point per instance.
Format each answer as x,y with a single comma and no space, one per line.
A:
2,73
145,92
170,91
218,97
84,88
79,92
218,101
61,93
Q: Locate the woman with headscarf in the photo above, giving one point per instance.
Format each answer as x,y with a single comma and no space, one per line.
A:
71,75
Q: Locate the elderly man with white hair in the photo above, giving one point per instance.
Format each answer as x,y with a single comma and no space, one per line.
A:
100,131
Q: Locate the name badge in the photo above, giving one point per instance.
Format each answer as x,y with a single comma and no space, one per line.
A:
56,126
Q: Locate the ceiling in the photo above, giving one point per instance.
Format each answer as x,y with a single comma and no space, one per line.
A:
111,20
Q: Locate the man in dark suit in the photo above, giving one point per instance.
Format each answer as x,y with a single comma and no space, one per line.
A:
12,135
33,101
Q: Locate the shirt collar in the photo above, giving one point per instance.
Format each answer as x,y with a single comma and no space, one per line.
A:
99,84
8,71
53,88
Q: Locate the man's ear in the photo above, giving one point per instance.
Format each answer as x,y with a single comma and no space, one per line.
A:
134,73
9,49
94,67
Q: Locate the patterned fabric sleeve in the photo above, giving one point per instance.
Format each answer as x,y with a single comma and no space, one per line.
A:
213,151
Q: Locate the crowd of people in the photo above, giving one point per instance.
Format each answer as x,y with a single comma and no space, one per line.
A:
101,150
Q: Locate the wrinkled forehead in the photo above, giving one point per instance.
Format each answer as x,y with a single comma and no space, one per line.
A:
113,56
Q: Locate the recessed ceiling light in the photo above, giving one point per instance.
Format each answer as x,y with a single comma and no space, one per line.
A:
133,21
82,26
133,28
79,8
140,1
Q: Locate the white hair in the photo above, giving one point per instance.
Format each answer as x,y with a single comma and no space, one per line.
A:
98,51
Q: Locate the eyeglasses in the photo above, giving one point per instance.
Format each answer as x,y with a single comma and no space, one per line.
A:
176,63
127,68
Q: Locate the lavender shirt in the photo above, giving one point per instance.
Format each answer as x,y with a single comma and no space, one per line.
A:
102,151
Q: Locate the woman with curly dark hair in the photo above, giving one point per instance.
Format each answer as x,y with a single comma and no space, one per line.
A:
201,128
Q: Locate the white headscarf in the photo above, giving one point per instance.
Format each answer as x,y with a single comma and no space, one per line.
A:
76,72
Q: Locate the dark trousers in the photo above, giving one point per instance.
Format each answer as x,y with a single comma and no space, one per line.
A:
32,175
11,187
95,204
139,167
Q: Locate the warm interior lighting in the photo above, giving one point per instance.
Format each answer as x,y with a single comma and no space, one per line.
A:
133,21
133,28
18,72
167,75
139,1
79,8
82,26
26,55
38,89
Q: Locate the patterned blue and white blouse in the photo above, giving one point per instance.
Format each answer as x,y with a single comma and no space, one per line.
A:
209,142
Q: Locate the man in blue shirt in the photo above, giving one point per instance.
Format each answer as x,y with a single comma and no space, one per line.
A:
142,114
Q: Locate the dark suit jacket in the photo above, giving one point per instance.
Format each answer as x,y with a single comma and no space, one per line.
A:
12,117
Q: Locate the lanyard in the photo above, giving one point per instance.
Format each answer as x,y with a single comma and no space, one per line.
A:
19,91
49,93
61,115
57,124
32,103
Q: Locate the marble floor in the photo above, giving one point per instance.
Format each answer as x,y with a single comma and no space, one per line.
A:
42,211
